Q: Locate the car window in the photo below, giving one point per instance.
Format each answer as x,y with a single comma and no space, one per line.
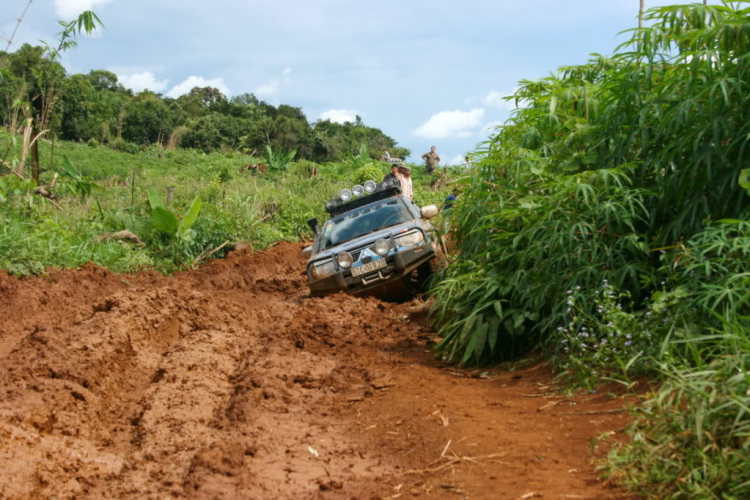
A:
364,220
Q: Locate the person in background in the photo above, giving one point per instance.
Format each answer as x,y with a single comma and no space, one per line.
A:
450,200
431,160
406,184
386,157
394,174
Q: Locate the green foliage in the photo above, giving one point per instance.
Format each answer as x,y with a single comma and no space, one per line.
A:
526,243
370,172
615,342
79,185
12,188
715,267
744,180
690,438
277,160
630,171
603,165
166,222
97,106
360,160
260,210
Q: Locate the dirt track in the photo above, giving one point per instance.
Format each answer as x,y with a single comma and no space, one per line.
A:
230,382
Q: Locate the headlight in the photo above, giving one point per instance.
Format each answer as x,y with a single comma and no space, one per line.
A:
382,247
345,195
358,190
370,186
345,260
323,270
410,239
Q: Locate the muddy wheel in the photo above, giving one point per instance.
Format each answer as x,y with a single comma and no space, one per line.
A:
423,274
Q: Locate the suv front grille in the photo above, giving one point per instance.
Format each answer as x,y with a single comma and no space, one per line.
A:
356,254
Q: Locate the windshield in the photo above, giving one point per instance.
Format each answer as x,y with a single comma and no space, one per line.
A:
364,220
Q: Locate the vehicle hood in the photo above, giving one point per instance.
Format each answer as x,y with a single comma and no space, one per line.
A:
368,239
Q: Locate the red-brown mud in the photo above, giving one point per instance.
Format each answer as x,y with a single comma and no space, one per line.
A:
230,382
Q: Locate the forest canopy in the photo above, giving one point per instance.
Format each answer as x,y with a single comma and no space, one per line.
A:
97,107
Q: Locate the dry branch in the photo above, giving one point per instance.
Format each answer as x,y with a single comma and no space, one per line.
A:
121,235
455,459
206,253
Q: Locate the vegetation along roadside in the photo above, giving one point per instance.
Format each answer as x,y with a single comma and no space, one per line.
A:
607,221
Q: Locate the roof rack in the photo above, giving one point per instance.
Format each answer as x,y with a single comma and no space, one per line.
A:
386,189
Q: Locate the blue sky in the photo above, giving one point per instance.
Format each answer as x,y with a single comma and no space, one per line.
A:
426,72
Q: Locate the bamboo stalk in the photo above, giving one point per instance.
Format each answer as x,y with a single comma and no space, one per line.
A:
24,147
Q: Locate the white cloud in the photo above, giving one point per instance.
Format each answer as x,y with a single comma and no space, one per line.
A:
272,89
451,124
70,9
340,115
143,81
197,81
268,90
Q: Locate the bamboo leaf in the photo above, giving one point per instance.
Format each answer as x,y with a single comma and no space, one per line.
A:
492,333
481,338
469,350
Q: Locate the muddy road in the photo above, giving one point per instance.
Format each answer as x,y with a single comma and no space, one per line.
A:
230,382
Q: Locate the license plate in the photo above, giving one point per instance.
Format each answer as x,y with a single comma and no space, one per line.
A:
369,267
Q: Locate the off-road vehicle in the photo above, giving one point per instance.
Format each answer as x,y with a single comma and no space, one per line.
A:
376,242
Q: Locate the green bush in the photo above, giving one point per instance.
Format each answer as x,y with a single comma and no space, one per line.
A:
371,172
612,340
125,147
525,242
690,438
625,171
568,194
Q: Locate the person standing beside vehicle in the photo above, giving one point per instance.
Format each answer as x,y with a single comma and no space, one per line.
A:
431,160
406,184
394,174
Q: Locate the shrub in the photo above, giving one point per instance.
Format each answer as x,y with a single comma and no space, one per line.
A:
125,147
690,438
612,340
370,172
524,242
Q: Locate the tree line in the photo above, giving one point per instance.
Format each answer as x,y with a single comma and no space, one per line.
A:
97,108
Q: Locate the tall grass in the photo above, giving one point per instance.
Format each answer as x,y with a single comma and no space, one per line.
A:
606,222
602,168
691,439
237,206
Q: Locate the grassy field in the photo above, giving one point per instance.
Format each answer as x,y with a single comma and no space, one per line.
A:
107,192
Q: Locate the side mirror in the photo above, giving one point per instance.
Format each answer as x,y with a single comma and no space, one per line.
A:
313,223
429,212
307,252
